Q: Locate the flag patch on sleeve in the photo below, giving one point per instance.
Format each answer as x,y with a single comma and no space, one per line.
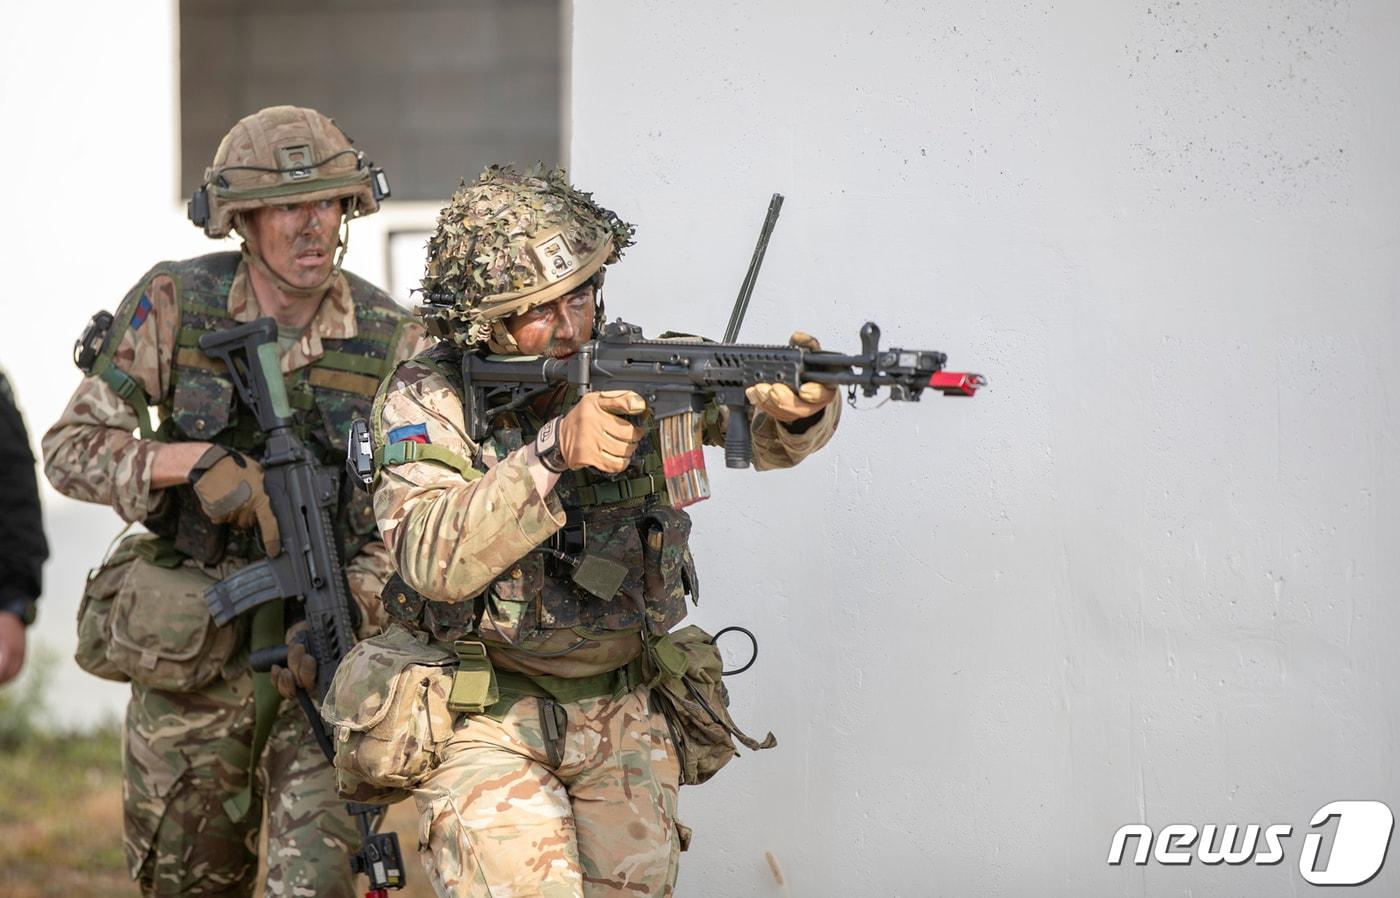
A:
409,433
143,311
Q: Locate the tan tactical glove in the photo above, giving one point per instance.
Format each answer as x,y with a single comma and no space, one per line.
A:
230,487
592,435
780,402
301,665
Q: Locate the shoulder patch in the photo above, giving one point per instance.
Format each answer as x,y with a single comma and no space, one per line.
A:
409,433
143,311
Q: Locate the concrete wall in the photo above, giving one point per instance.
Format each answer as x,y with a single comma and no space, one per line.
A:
1149,575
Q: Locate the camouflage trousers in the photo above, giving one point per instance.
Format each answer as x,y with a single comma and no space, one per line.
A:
510,814
185,753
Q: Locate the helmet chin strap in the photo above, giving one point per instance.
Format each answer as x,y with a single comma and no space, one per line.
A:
255,258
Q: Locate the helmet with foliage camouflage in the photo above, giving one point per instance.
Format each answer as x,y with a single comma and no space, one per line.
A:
284,154
508,242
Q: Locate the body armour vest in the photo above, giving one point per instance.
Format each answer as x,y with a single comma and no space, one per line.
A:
202,404
558,609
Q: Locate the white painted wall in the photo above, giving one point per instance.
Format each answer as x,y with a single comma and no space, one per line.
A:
89,92
1150,575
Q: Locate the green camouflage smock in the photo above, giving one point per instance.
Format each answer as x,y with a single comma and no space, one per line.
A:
182,748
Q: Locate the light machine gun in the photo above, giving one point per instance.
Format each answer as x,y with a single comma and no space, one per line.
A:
309,571
680,377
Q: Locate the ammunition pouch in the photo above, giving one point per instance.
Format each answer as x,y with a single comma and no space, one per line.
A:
388,707
688,689
95,610
158,631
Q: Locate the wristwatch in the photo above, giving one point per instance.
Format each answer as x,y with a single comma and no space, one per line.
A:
547,447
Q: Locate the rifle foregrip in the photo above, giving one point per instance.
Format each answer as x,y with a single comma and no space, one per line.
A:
738,442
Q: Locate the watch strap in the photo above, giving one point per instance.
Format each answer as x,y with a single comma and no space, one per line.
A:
547,447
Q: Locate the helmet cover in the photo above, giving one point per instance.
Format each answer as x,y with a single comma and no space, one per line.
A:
508,242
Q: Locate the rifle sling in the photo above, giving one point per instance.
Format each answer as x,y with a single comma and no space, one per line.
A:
268,630
129,391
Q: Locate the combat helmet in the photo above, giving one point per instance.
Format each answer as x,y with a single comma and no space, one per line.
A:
508,242
284,154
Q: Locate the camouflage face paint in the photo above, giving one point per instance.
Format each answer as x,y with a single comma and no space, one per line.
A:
556,329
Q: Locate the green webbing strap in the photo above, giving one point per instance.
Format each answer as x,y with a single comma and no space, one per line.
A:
407,450
268,630
616,683
355,364
669,661
129,391
389,363
606,492
474,685
478,688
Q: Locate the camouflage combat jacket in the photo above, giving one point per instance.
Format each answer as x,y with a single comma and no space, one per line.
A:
331,373
480,549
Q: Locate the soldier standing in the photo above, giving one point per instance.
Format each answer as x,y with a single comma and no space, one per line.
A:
564,781
206,742
23,548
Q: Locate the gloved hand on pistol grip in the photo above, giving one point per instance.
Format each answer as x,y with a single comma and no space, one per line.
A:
301,665
594,435
779,401
230,489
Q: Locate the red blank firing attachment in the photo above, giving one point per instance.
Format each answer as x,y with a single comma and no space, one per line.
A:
957,383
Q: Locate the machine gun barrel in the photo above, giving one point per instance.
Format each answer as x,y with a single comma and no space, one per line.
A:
682,376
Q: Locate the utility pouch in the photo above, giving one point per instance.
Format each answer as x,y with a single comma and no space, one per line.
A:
474,687
695,703
600,575
95,610
159,632
387,706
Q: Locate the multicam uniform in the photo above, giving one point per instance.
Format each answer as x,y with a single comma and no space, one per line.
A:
187,752
568,784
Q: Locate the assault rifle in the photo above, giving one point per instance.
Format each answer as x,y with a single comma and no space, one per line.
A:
678,377
309,570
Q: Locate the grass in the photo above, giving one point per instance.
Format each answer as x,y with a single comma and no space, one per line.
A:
61,818
61,805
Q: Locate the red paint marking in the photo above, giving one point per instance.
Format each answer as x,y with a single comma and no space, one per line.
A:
676,465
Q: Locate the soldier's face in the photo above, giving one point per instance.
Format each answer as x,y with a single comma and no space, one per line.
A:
298,240
557,328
